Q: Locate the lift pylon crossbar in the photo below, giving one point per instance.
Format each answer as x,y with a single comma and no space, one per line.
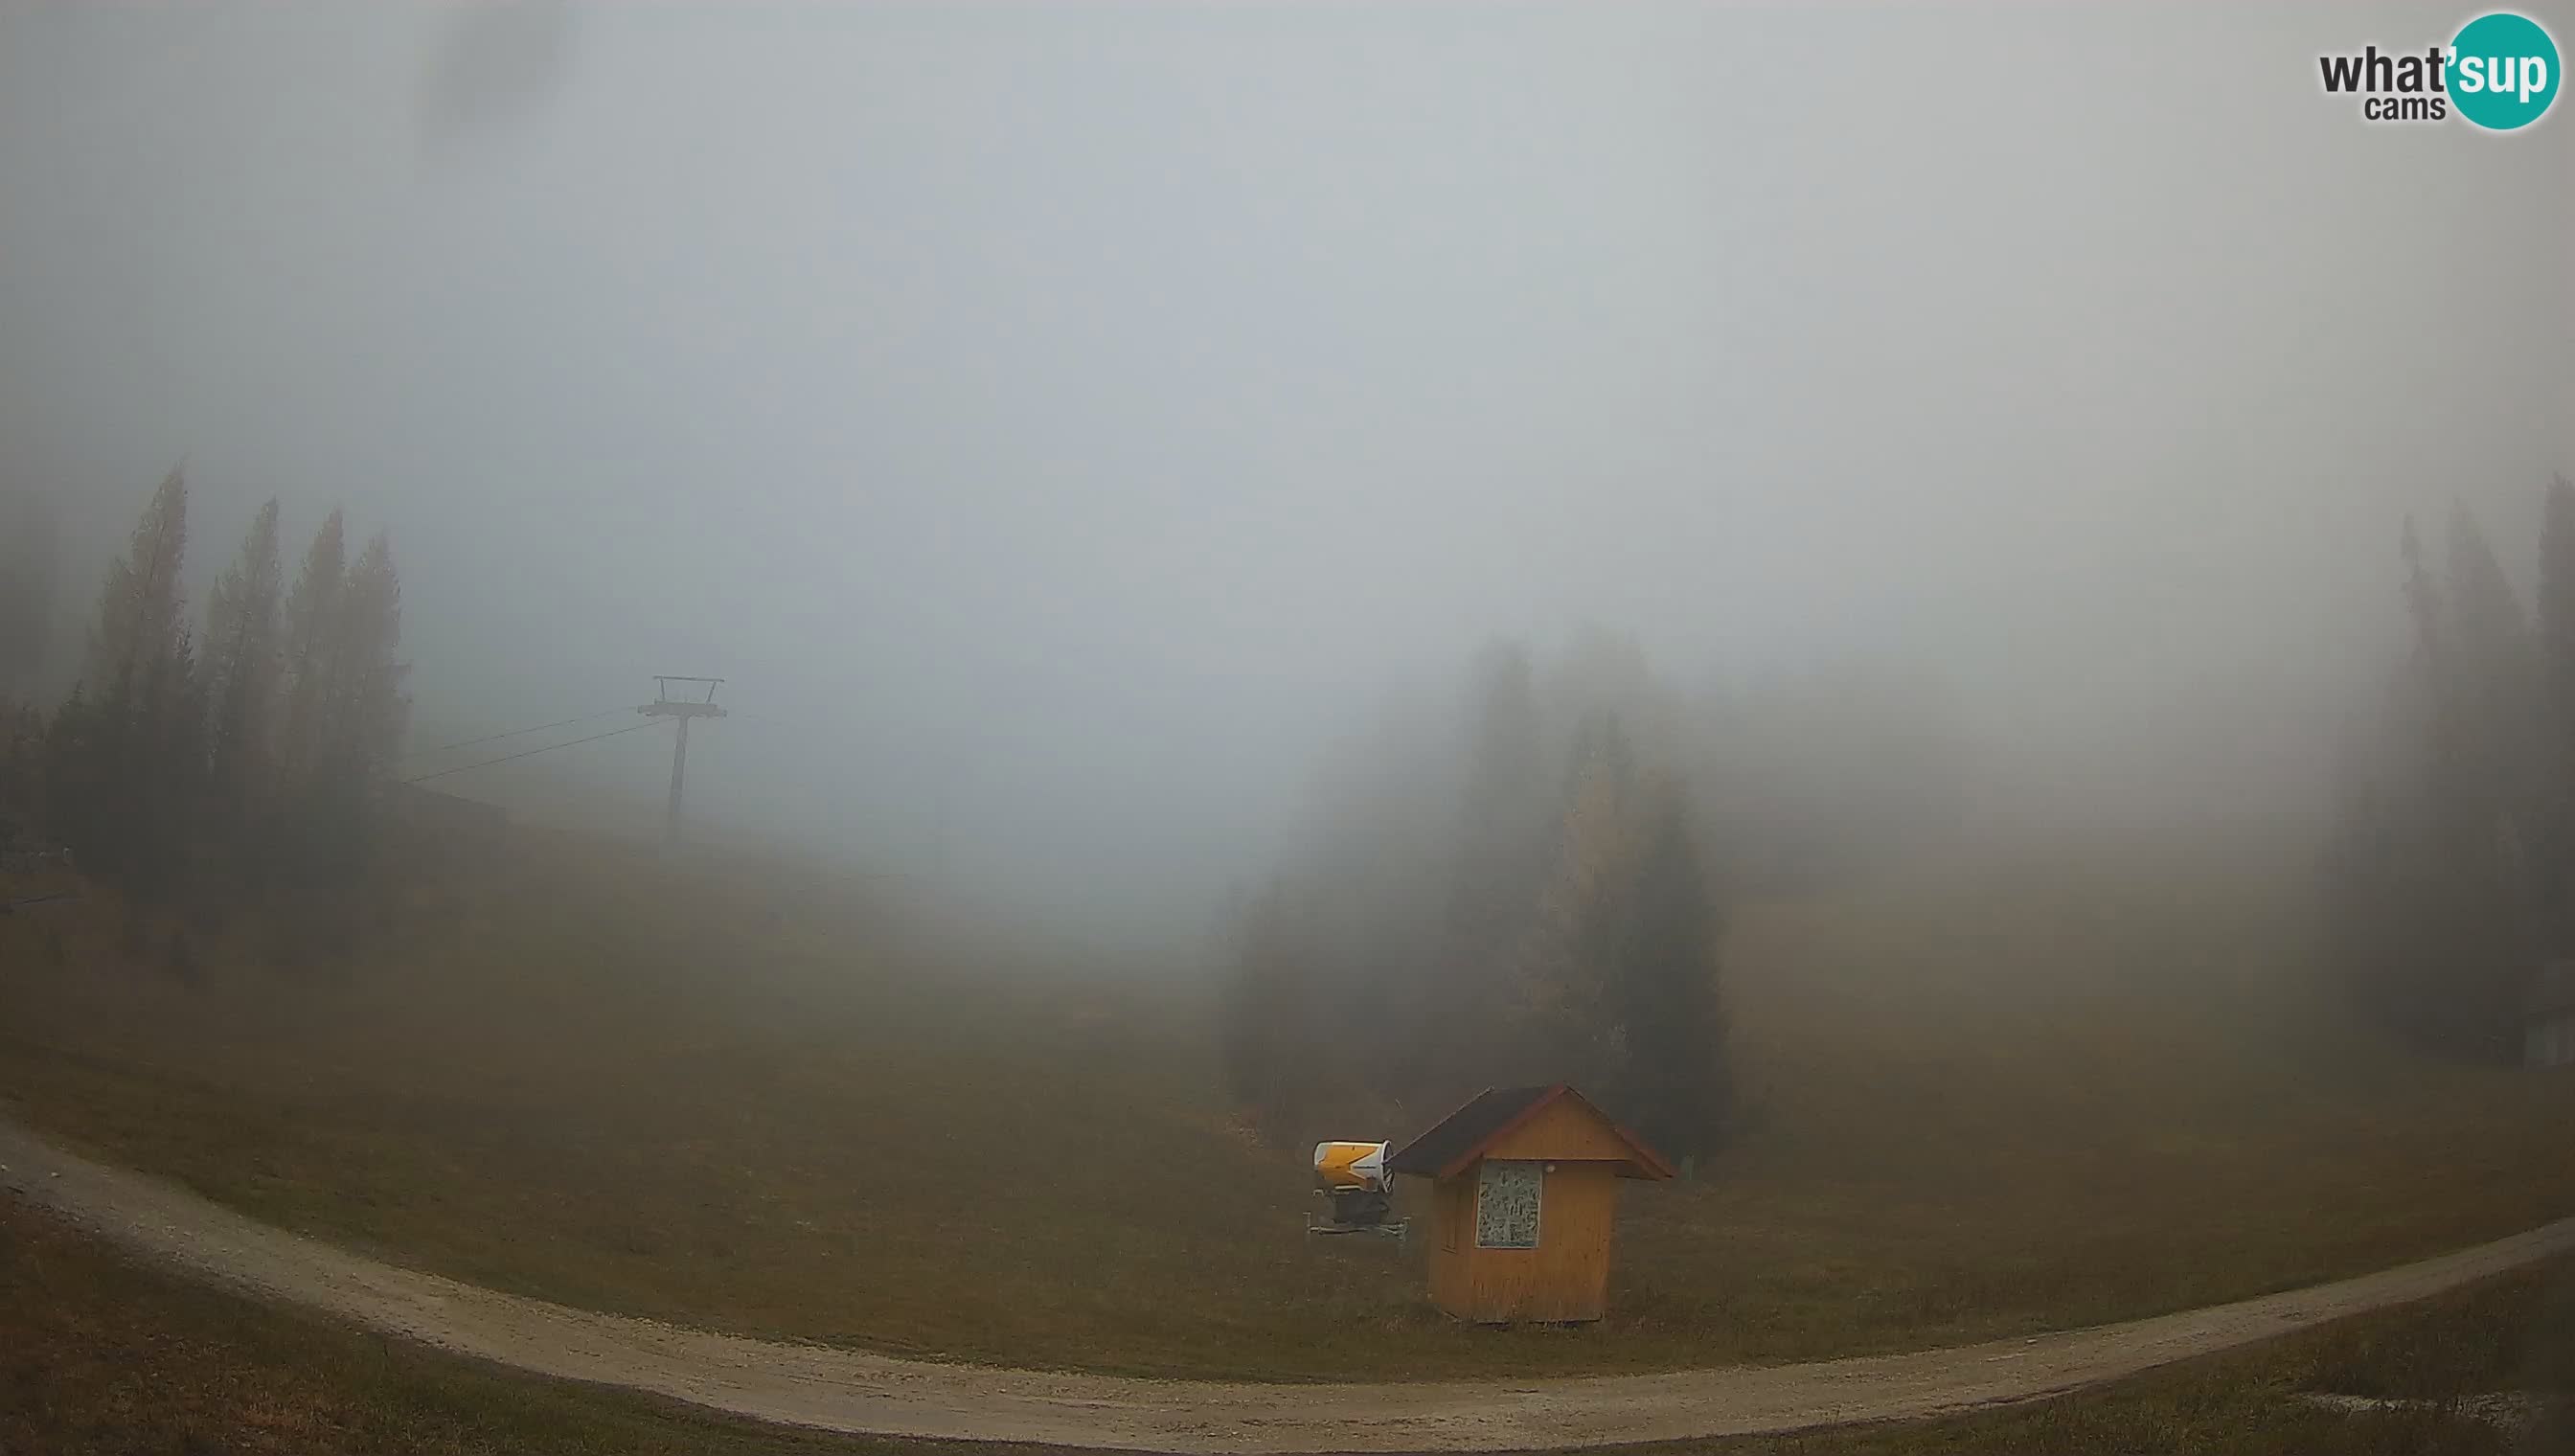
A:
683,709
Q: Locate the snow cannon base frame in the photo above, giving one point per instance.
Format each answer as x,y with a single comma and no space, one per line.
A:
1352,1175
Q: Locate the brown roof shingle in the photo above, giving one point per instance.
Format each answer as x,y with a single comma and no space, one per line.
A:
1457,1138
1465,1129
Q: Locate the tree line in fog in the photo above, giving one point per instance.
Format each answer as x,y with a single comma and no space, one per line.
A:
1527,885
238,753
2450,870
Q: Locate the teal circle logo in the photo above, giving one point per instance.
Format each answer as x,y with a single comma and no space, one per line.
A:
2503,71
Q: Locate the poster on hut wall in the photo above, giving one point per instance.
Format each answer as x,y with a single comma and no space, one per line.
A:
1506,1198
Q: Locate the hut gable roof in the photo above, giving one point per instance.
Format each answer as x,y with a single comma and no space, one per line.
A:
1457,1141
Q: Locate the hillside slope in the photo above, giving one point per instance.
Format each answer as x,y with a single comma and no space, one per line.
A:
2014,1093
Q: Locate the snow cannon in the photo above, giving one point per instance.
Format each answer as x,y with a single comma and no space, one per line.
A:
1344,1166
1352,1175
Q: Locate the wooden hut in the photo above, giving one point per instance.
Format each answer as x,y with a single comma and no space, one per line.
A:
1524,1194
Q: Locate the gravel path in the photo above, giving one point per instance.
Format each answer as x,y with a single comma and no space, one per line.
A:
846,1390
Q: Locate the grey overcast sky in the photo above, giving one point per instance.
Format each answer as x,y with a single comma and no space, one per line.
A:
1059,421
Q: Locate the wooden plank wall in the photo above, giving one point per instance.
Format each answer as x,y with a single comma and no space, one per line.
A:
1566,1277
1563,1132
1453,1246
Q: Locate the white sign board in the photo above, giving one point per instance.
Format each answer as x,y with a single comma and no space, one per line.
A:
1506,1199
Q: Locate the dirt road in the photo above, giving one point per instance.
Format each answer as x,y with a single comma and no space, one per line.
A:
846,1390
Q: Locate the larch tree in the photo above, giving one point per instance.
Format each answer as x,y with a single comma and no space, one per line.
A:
305,689
241,666
135,634
1562,996
1504,885
140,729
356,718
372,711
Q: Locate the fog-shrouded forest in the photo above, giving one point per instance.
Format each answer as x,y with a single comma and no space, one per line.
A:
1964,618
1053,495
1371,556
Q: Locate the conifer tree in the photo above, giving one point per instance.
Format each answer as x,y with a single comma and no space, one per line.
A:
2493,677
241,666
1672,1073
368,719
2430,868
2499,828
131,789
353,712
1275,1054
1498,857
136,630
308,657
1564,1003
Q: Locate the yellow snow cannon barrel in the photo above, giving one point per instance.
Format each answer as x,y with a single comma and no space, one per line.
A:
1350,1167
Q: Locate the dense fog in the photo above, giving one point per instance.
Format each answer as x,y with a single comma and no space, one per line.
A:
1068,437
